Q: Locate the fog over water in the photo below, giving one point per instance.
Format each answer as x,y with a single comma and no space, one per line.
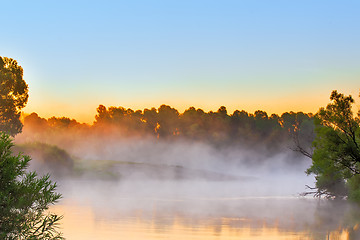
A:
148,166
148,184
196,169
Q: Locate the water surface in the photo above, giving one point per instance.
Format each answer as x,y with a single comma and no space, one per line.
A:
208,218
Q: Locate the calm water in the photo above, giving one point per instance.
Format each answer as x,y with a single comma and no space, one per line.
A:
264,206
207,218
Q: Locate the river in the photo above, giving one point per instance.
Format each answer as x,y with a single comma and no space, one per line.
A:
158,210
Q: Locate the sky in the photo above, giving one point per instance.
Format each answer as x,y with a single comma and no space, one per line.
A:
275,56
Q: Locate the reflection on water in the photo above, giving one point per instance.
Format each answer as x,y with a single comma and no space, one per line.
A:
242,218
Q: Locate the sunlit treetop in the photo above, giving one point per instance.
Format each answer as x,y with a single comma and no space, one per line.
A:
13,95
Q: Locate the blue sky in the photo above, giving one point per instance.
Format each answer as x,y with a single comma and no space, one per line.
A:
271,55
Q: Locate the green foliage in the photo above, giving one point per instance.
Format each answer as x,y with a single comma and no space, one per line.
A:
24,198
354,188
13,95
336,156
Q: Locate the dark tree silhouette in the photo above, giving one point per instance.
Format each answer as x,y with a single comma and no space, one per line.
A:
13,95
168,121
240,130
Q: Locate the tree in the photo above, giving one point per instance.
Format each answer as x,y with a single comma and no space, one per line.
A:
13,95
192,124
336,156
168,120
24,198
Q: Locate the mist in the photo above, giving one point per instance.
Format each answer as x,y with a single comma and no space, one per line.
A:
180,167
137,168
146,166
194,182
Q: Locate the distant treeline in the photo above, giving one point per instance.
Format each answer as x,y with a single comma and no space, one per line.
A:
166,123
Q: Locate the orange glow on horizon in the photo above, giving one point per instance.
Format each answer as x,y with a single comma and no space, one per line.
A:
89,116
85,112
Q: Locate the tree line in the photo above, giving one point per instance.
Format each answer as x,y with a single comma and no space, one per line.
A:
166,123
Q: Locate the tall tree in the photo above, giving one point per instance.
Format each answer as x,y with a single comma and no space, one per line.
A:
13,95
336,157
